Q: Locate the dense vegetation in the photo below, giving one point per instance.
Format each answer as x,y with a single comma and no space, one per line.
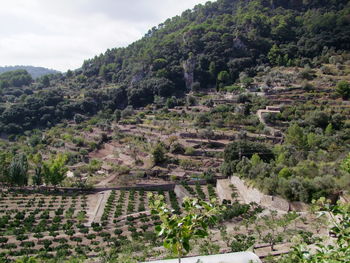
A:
256,89
212,45
301,170
17,78
35,72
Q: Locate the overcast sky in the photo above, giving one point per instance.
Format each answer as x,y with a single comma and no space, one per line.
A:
60,34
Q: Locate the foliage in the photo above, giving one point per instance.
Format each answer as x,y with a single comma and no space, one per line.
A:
18,170
158,154
38,169
54,170
242,242
178,230
343,88
207,46
346,164
16,78
237,150
335,251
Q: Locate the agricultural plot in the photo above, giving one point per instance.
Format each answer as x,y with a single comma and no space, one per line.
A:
127,212
204,192
53,224
33,223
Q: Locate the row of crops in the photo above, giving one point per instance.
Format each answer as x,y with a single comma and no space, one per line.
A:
122,205
203,192
41,222
56,224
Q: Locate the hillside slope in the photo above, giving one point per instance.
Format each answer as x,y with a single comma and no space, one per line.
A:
216,45
211,45
35,72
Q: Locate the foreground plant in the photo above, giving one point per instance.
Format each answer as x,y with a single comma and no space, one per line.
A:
179,230
336,250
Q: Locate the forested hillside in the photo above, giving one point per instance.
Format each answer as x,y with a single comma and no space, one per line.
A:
211,46
35,72
240,105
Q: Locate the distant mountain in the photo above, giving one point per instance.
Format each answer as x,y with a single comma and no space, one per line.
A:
35,72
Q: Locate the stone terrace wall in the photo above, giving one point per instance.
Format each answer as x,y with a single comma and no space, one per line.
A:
250,194
181,192
223,189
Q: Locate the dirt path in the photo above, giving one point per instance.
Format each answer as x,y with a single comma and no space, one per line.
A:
96,215
107,181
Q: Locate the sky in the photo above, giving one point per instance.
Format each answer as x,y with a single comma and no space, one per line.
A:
61,34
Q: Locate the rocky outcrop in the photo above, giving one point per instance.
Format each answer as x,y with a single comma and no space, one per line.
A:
188,67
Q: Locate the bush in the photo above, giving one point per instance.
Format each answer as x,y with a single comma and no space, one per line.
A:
158,154
242,242
307,74
343,89
236,150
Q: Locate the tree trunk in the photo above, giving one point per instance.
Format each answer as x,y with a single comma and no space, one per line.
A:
179,256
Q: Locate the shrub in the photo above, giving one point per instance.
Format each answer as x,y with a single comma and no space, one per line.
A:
158,154
343,89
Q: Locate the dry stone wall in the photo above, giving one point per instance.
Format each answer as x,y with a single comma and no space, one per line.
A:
251,194
181,192
223,189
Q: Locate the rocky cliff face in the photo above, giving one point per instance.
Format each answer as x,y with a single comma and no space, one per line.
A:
188,67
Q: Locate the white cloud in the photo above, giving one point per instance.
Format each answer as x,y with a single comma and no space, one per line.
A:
61,34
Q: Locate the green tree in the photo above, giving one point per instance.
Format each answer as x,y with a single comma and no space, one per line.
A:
346,164
329,130
18,170
54,170
272,235
285,172
242,242
69,73
158,154
178,230
45,81
212,70
5,160
38,169
202,120
223,78
274,55
296,136
343,89
255,160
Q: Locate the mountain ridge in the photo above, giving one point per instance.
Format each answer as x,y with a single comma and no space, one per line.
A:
219,45
35,72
